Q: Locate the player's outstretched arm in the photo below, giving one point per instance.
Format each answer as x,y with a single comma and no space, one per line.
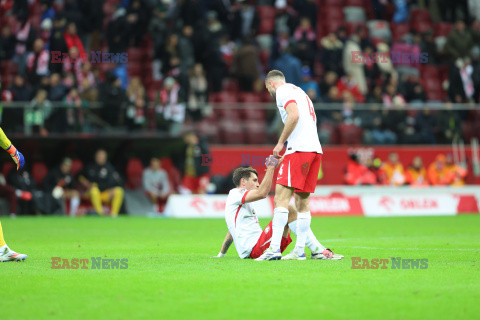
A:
226,244
16,155
290,124
272,162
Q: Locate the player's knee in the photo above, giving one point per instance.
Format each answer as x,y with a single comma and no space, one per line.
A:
94,191
118,191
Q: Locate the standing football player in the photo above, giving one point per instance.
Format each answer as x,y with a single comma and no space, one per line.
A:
299,171
242,222
7,254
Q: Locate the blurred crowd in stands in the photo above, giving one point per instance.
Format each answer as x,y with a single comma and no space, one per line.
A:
98,187
184,55
373,171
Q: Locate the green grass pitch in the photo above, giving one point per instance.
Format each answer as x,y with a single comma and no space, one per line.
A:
171,274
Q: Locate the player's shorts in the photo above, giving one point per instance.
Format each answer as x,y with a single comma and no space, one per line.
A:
300,171
264,242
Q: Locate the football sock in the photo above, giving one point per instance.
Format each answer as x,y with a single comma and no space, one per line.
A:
312,243
280,219
74,203
2,241
96,201
117,201
303,225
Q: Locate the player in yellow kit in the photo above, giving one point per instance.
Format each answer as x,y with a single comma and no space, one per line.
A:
7,254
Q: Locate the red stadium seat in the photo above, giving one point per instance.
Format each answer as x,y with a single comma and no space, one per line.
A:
135,55
350,134
228,113
267,19
331,3
209,129
421,26
420,15
333,25
230,85
135,69
355,3
429,71
39,172
398,30
232,132
333,13
442,29
249,97
134,173
226,96
7,167
256,132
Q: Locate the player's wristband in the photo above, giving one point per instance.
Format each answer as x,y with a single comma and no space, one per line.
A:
11,150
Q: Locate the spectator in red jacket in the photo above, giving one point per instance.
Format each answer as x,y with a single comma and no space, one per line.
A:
73,40
347,83
358,174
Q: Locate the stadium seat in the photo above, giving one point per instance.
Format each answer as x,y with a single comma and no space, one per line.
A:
332,25
267,19
399,30
331,3
209,129
429,71
442,29
226,96
134,173
421,26
232,132
230,85
417,15
39,172
135,55
355,3
135,69
333,13
256,132
228,113
350,134
7,167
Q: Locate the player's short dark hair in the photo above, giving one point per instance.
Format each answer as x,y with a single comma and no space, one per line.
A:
274,74
242,172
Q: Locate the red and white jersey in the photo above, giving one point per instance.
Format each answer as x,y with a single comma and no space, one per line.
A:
242,222
304,137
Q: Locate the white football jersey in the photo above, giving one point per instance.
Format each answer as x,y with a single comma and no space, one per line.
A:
304,137
242,222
